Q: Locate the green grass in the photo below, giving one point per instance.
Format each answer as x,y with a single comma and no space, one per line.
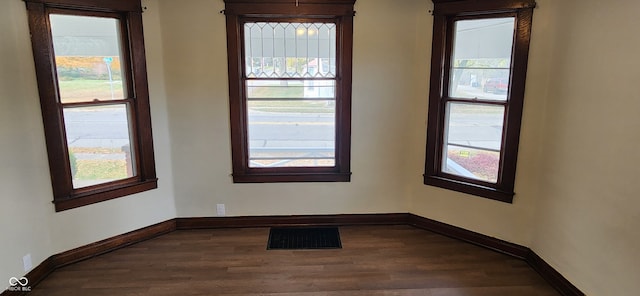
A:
277,91
83,90
292,106
95,150
290,90
476,109
98,169
101,169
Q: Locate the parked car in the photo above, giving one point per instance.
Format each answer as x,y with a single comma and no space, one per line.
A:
496,85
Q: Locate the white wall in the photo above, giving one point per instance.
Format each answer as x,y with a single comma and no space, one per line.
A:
589,207
194,36
28,222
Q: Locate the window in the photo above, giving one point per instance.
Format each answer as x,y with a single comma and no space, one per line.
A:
478,70
90,66
290,89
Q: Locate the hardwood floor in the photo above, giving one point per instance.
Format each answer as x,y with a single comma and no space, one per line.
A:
374,260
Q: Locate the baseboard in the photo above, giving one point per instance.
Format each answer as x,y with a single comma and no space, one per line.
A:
35,276
50,264
546,271
553,277
113,243
296,220
469,236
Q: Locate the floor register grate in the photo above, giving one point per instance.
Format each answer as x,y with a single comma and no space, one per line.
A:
292,238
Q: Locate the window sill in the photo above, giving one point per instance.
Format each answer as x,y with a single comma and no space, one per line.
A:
469,188
291,177
103,195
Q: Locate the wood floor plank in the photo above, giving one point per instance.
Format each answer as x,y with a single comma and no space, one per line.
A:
374,260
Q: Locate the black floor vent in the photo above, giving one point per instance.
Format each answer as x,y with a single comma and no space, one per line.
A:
291,238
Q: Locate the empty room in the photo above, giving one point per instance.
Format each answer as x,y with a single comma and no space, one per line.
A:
320,147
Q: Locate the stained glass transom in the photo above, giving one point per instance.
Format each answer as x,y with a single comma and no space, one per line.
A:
290,50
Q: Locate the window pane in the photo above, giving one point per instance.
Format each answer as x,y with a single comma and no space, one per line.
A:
469,84
473,130
481,59
474,125
290,49
292,133
471,163
88,58
99,142
281,89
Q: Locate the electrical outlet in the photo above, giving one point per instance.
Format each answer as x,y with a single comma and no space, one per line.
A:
221,210
26,261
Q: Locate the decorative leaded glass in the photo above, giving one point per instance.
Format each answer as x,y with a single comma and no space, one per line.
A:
290,50
290,80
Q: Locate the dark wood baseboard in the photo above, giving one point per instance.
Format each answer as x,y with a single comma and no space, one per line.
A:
113,243
297,220
50,264
552,276
35,276
469,236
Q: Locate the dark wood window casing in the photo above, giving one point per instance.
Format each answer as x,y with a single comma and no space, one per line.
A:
240,12
141,175
446,13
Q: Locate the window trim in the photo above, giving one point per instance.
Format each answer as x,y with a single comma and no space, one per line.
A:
445,13
237,12
130,15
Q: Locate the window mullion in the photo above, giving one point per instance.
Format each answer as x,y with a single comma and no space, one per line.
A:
97,103
476,101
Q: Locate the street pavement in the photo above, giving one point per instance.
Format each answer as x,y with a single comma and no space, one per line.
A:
108,128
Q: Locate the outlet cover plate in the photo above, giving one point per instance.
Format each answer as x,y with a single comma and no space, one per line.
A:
220,209
26,261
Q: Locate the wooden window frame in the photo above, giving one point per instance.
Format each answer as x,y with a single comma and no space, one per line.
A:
445,13
237,11
129,13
